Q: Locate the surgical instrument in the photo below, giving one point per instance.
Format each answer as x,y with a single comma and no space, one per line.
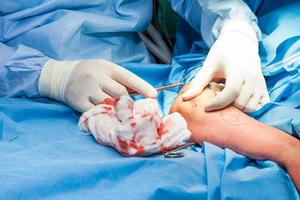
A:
160,88
174,152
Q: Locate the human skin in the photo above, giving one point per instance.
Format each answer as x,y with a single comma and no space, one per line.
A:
233,129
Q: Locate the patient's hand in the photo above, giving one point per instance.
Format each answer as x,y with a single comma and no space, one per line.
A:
231,128
193,112
202,123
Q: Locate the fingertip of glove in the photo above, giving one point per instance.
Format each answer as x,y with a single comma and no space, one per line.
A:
153,94
186,96
210,107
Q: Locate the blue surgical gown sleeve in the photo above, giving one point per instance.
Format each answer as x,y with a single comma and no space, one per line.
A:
208,16
19,70
32,31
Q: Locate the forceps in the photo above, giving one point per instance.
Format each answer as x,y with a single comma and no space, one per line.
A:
160,88
174,152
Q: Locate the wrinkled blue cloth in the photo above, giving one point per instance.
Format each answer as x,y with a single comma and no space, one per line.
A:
43,155
32,32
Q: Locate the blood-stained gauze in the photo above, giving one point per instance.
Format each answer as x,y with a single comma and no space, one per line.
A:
134,128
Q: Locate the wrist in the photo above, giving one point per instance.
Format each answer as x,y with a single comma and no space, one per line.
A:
291,153
240,27
53,79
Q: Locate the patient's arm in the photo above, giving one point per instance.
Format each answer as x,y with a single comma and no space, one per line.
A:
231,128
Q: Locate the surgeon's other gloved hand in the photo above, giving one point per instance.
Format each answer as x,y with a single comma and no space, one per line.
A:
233,57
83,83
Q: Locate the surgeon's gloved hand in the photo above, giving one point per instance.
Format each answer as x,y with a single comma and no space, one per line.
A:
233,57
83,83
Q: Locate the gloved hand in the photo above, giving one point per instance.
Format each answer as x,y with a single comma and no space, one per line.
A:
83,83
233,57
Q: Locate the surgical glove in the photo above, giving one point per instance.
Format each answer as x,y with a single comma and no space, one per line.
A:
134,128
83,83
233,57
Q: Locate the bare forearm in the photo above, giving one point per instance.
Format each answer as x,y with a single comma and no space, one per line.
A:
231,128
235,130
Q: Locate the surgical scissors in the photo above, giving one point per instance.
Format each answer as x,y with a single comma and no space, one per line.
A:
164,87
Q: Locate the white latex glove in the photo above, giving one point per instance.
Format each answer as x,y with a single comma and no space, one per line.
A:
83,83
233,57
